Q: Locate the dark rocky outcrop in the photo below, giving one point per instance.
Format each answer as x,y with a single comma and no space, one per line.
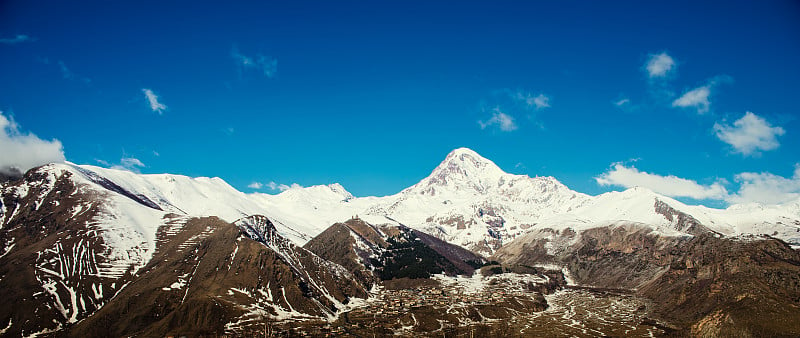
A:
386,252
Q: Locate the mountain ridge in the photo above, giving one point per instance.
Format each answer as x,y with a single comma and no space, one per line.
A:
466,200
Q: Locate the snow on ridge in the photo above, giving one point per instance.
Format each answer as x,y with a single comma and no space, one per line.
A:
465,198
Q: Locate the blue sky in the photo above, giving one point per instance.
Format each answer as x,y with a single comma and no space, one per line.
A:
373,95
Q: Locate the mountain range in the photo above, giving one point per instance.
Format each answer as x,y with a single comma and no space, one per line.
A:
82,246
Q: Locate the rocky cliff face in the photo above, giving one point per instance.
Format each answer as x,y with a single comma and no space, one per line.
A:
744,287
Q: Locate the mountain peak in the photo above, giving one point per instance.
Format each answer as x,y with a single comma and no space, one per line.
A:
466,158
463,151
463,168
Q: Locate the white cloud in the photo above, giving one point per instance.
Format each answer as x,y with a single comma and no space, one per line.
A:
696,98
129,163
264,64
22,151
673,186
699,98
541,101
766,188
659,65
503,121
152,99
255,185
19,38
282,187
763,187
537,102
749,134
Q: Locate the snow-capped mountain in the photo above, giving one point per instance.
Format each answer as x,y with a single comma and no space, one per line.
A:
468,200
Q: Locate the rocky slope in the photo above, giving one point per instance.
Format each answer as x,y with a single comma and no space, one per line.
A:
212,277
704,284
68,248
374,253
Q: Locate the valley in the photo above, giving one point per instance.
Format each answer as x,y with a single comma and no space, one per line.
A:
498,310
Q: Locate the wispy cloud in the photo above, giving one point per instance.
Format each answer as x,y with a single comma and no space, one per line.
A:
66,73
129,163
500,120
22,151
673,186
750,134
19,38
273,186
531,101
264,64
506,107
623,102
766,188
152,99
659,65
